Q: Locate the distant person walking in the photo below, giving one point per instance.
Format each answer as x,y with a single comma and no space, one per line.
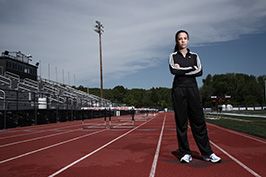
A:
186,66
133,112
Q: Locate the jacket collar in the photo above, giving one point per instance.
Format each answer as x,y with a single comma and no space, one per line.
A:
188,52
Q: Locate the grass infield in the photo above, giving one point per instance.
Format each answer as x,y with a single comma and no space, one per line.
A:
252,126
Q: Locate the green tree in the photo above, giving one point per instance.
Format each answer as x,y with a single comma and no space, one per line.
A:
245,90
118,94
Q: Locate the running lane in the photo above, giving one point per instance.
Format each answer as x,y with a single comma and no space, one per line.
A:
130,156
248,155
43,157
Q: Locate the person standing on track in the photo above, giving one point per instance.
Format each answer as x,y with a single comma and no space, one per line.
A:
186,66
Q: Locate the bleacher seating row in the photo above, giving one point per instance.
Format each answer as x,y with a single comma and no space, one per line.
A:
25,93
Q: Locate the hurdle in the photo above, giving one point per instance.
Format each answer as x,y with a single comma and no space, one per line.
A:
110,123
117,122
101,125
122,123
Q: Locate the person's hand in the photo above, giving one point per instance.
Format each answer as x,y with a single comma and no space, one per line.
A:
177,66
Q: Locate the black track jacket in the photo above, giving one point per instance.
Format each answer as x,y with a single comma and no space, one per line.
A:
190,68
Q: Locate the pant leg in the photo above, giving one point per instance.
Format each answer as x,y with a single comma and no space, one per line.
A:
197,121
181,119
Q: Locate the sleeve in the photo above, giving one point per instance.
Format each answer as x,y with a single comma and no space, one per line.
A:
197,69
181,71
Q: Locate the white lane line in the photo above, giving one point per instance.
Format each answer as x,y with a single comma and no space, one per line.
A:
100,148
37,138
48,147
237,133
41,131
236,160
40,127
156,156
24,134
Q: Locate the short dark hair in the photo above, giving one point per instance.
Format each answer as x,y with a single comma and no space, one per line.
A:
176,36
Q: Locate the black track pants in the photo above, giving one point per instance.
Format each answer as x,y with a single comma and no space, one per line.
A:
187,106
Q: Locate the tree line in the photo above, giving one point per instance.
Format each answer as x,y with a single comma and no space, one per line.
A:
244,90
153,98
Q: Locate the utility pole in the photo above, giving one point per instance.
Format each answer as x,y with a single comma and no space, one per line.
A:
49,71
99,29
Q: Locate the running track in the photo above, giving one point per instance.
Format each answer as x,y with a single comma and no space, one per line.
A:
66,149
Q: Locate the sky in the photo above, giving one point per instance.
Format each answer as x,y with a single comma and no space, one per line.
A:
228,35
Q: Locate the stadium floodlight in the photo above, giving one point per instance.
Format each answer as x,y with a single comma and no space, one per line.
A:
99,29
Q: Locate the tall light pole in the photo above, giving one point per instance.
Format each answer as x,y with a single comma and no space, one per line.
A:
99,30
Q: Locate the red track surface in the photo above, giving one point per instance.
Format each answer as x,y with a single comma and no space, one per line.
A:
66,149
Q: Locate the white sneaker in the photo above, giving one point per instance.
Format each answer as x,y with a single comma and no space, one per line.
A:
186,158
212,158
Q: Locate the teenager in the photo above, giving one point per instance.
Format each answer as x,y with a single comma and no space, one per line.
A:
186,66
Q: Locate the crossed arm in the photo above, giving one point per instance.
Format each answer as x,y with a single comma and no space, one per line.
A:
176,69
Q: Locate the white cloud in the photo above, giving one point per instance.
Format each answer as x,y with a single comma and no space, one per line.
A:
137,33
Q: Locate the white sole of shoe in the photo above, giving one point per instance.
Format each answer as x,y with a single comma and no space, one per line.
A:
212,161
186,161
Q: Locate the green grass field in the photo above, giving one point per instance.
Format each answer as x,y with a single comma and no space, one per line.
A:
252,126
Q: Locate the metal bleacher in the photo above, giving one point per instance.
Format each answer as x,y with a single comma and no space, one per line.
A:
14,79
58,95
26,99
5,82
